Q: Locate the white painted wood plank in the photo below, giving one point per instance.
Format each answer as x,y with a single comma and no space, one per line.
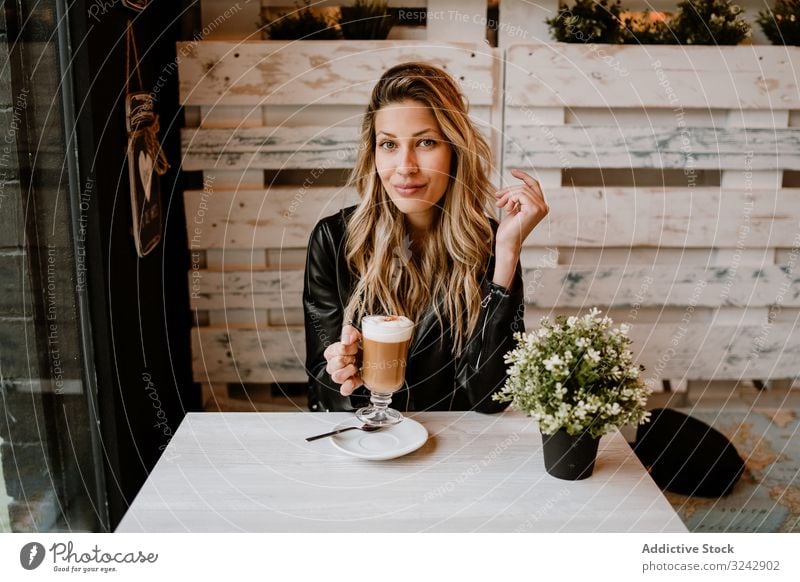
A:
748,180
677,350
220,179
652,147
665,256
629,116
231,116
539,257
573,286
264,289
245,318
274,148
329,72
342,115
278,218
592,75
286,258
321,114
283,217
222,259
286,317
651,316
669,217
247,355
723,352
255,472
746,315
758,118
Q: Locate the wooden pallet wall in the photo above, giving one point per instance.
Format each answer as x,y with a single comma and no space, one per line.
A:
702,256
673,176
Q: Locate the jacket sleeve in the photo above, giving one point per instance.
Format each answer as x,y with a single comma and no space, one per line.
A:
481,370
323,313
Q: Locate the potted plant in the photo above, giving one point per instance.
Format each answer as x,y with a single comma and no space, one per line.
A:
715,22
576,378
587,21
303,24
366,20
649,27
781,24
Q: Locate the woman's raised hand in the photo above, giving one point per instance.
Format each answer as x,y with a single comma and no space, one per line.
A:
343,358
524,206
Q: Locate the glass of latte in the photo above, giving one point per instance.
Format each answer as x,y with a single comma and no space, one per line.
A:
385,340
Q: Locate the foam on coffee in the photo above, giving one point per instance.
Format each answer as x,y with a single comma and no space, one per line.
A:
386,339
387,328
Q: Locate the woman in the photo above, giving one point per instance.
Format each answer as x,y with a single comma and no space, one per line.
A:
420,243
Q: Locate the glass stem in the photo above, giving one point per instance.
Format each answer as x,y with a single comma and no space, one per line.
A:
380,402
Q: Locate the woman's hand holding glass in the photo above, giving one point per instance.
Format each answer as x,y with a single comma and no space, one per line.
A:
344,360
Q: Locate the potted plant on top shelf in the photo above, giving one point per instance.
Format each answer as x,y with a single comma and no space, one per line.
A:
302,24
366,20
587,21
575,376
696,22
715,22
363,20
781,24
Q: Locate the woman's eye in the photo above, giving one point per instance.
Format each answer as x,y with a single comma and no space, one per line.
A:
427,143
387,145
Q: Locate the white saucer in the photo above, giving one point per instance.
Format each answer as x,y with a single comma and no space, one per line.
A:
388,443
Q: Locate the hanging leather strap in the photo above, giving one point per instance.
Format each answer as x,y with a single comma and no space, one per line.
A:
150,130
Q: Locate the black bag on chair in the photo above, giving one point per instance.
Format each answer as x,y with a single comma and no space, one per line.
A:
686,456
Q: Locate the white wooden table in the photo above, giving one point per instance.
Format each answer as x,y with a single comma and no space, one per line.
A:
254,472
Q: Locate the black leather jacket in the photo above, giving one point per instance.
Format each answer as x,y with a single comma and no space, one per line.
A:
435,379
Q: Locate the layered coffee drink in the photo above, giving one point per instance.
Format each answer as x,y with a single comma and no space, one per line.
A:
385,342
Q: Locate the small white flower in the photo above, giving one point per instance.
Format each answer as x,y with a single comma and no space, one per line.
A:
539,368
552,362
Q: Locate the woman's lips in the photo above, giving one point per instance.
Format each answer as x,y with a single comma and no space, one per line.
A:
408,191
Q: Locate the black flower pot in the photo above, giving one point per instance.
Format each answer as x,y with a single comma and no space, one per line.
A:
569,457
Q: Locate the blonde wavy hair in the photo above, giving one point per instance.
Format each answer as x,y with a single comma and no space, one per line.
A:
448,268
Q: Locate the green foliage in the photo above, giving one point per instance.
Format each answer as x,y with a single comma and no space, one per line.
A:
366,19
302,24
698,22
576,374
716,22
587,21
643,29
781,25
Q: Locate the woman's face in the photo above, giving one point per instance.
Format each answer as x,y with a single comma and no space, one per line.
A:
412,156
